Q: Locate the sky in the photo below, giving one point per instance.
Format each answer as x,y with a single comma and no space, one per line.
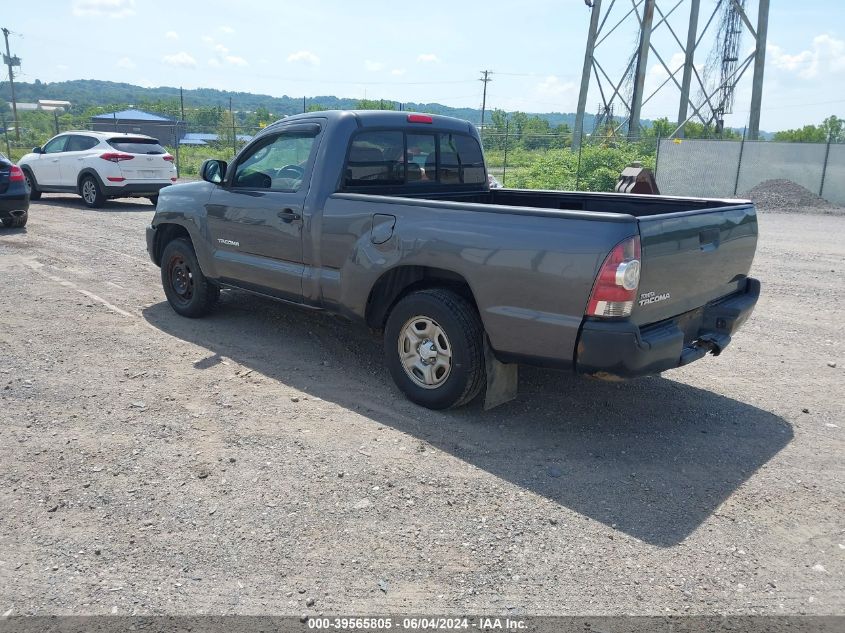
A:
423,52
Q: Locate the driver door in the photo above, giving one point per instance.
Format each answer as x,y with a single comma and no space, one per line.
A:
255,218
48,168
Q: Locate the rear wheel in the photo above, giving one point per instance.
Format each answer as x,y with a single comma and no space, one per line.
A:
188,291
17,221
34,194
433,346
90,191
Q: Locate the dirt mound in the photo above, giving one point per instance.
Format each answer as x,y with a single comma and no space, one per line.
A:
788,196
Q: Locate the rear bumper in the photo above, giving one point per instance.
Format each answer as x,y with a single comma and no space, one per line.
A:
622,349
134,189
13,204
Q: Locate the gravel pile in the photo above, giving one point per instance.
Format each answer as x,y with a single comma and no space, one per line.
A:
788,197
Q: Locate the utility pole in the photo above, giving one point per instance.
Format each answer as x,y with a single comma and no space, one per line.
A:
11,62
759,67
485,80
182,103
586,71
641,68
689,60
304,104
234,139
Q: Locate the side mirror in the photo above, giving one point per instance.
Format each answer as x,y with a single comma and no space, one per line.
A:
37,150
213,171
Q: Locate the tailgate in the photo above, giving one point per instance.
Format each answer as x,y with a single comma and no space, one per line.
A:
152,167
692,258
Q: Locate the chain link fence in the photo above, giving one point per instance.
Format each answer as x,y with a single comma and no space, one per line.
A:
717,168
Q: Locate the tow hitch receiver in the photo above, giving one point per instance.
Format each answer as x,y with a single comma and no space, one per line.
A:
710,342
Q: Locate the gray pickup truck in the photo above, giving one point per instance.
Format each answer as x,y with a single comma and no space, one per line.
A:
387,218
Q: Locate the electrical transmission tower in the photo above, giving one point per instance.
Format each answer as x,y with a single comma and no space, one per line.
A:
715,96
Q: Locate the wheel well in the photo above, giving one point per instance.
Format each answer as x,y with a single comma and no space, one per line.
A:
165,234
81,177
398,282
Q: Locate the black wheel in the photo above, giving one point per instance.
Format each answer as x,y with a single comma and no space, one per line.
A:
433,346
17,221
34,194
188,291
90,191
154,200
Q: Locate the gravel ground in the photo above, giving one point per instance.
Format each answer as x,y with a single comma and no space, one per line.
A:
261,461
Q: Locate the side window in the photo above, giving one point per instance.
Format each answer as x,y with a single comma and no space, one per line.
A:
80,143
56,145
278,163
422,159
376,158
461,160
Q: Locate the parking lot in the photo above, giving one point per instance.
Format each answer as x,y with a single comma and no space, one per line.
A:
261,460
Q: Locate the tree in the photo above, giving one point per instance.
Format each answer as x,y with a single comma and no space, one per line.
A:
831,129
375,104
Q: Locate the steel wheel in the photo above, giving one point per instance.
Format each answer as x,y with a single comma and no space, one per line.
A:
425,352
89,192
181,278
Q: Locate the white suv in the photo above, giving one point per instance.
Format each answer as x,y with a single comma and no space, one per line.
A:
99,165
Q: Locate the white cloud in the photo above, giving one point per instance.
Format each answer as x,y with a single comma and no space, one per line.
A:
226,29
552,85
826,56
234,60
221,49
61,67
125,62
398,72
373,66
305,57
214,62
208,39
427,58
172,35
104,8
180,59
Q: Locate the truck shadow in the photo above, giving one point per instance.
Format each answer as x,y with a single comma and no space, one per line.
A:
653,458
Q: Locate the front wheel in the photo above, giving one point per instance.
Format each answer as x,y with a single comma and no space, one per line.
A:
188,290
91,194
433,346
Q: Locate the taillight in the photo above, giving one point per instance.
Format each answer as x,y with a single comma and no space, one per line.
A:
616,284
116,157
16,174
168,158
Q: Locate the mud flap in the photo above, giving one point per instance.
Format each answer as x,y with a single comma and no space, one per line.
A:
502,379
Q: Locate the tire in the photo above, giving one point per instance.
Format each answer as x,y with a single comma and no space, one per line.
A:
91,193
34,194
188,291
413,343
154,200
16,222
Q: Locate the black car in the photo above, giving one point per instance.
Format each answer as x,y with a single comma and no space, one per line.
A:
14,195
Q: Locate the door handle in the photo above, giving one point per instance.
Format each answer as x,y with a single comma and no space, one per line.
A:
289,215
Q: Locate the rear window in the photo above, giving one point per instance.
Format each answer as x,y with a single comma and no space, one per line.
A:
137,145
397,158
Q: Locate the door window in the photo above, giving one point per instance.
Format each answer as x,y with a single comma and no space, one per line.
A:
278,163
80,143
56,145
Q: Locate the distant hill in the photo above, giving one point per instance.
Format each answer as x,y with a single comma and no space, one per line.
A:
83,93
